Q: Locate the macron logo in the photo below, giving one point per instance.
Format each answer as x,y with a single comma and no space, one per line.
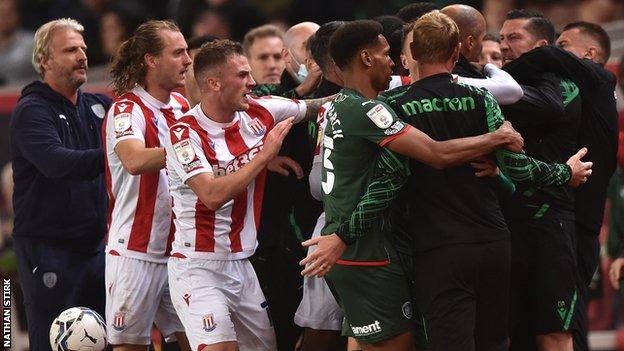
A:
367,329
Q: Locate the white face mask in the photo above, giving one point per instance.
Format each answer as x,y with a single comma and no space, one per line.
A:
302,73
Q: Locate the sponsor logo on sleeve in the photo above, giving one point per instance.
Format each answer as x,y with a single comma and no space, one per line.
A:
122,116
396,127
380,116
183,148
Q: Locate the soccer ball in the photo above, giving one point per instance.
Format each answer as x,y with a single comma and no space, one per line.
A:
78,329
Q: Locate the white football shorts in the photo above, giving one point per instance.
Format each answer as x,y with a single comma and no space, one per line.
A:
220,301
137,296
318,308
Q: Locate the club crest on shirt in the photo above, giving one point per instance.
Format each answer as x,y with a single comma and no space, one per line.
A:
407,310
49,279
99,110
380,116
209,322
257,127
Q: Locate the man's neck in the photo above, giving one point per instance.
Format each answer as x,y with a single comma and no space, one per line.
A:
361,83
214,112
430,69
69,93
157,91
333,77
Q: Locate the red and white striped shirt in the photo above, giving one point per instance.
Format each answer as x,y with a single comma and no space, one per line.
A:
197,144
139,209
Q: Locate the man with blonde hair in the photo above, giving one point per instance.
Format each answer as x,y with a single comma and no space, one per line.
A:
461,242
59,198
145,71
361,264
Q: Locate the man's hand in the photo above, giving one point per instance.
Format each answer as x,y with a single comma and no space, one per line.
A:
615,272
282,164
580,170
513,140
273,141
328,251
311,81
485,167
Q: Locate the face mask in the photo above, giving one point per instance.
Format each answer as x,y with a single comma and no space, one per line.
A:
302,73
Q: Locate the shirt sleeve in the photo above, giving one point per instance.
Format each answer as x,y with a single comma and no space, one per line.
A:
125,121
315,175
282,108
378,124
501,84
521,168
37,138
184,151
541,103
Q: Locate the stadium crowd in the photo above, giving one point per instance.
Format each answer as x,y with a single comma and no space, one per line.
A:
411,182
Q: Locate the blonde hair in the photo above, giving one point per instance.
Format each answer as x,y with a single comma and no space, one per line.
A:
128,68
43,35
435,38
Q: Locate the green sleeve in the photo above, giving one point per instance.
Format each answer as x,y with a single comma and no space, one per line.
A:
521,168
376,122
506,183
391,173
274,89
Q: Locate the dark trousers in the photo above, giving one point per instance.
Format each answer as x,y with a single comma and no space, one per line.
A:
588,252
54,279
462,291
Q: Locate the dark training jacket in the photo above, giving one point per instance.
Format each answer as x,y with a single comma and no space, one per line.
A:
58,165
599,123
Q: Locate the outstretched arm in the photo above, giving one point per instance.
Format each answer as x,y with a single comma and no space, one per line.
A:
500,83
521,168
441,154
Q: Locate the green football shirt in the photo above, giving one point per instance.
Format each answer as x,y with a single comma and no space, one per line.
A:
353,156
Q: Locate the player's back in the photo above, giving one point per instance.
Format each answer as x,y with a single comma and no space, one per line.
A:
447,206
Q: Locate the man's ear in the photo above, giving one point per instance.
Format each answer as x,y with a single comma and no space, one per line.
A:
404,61
149,61
540,43
470,42
591,53
45,62
366,58
286,55
213,83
